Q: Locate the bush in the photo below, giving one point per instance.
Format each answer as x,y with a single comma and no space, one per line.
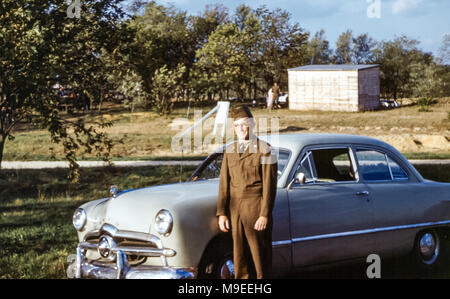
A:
425,103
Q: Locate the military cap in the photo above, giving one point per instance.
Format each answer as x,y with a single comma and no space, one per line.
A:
240,112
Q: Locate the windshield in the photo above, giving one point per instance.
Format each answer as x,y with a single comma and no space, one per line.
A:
210,168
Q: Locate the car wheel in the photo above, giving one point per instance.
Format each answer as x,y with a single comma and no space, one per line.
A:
428,250
217,262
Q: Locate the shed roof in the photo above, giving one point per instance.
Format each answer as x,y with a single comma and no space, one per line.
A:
333,67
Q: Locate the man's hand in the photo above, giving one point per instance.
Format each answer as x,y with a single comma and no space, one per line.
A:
224,223
261,223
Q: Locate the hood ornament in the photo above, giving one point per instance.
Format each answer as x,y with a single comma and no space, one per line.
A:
114,190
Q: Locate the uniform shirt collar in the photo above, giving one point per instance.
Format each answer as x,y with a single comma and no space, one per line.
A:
245,143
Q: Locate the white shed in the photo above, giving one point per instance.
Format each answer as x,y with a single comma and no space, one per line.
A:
338,87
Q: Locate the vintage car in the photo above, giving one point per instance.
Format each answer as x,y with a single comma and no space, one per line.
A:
339,197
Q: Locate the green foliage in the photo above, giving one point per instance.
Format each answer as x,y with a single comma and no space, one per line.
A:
425,104
318,49
42,47
130,84
354,50
254,44
221,62
407,71
159,41
167,85
344,48
363,49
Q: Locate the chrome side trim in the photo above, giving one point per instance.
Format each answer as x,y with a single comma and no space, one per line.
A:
281,243
143,251
359,232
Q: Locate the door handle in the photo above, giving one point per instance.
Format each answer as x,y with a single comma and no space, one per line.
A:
365,193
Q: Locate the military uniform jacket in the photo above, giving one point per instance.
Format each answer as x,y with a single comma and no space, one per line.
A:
248,182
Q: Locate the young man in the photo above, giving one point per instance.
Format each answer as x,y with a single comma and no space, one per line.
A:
247,190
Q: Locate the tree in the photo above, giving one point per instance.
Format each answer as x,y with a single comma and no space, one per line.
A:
167,84
344,45
40,47
203,25
318,49
363,49
402,63
444,50
254,44
283,44
220,64
161,39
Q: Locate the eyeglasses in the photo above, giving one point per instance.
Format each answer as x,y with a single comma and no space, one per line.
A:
241,125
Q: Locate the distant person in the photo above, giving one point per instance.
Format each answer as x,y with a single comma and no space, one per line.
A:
270,99
276,93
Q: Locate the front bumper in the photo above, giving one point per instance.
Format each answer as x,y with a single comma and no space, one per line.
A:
116,265
80,267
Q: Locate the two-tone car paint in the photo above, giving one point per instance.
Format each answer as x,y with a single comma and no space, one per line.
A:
313,223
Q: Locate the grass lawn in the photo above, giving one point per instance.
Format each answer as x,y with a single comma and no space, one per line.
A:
36,207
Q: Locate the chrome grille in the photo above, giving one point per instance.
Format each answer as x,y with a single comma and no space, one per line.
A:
136,246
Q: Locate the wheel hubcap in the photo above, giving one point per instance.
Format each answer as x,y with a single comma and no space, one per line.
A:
429,248
227,269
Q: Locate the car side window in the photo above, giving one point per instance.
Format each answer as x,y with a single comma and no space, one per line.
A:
397,172
283,159
305,167
378,166
327,166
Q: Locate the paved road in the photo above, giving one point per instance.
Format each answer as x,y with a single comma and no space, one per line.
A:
63,164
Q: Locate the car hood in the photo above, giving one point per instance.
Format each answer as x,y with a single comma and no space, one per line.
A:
136,209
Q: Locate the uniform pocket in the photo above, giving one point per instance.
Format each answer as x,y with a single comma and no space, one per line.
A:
252,170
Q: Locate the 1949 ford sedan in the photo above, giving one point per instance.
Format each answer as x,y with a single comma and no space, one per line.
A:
339,197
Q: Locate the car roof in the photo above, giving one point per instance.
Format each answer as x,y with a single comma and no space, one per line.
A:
298,141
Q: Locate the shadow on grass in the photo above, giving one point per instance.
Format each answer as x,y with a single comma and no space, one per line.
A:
94,183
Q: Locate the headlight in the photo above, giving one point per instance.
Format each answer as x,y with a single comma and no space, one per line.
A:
79,219
164,222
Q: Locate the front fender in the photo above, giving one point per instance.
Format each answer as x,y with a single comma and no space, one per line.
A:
194,227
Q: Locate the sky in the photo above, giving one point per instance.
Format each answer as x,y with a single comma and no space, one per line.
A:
424,20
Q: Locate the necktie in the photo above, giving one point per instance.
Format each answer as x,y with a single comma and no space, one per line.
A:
241,147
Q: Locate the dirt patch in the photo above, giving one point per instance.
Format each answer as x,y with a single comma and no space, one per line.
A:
417,142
